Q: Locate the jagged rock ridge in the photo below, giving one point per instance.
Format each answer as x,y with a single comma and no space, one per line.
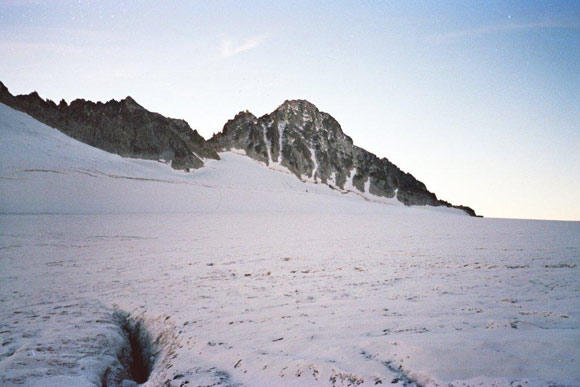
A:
312,145
122,127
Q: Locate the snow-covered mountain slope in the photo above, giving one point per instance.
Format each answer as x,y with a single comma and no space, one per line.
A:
312,145
122,127
45,171
296,136
244,276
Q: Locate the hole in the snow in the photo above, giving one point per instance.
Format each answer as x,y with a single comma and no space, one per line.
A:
141,354
136,356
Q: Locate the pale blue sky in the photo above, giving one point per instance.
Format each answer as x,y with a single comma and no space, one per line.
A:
479,100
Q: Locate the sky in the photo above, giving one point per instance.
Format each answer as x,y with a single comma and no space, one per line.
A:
478,100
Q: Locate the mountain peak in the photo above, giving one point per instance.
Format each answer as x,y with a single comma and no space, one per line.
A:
130,102
298,105
313,146
3,88
245,115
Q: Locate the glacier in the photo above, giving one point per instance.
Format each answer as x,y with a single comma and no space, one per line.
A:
246,276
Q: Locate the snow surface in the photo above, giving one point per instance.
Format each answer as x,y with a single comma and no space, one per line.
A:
247,276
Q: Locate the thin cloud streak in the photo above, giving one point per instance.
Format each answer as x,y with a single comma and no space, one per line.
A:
498,28
230,48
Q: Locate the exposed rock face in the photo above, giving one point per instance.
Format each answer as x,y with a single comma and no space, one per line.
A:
122,127
311,144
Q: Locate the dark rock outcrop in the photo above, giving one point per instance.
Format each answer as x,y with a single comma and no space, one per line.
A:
312,145
122,127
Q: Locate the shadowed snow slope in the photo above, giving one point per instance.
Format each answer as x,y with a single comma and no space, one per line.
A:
241,275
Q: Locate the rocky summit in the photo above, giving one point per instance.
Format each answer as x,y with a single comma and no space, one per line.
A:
122,127
312,145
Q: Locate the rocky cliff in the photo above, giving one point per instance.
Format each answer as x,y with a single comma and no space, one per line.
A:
122,127
312,145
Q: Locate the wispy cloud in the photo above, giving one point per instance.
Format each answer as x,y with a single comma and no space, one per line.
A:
231,47
498,28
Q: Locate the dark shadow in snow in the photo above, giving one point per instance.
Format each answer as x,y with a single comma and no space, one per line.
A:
136,357
142,359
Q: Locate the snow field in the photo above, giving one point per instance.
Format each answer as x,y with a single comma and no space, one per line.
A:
246,276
